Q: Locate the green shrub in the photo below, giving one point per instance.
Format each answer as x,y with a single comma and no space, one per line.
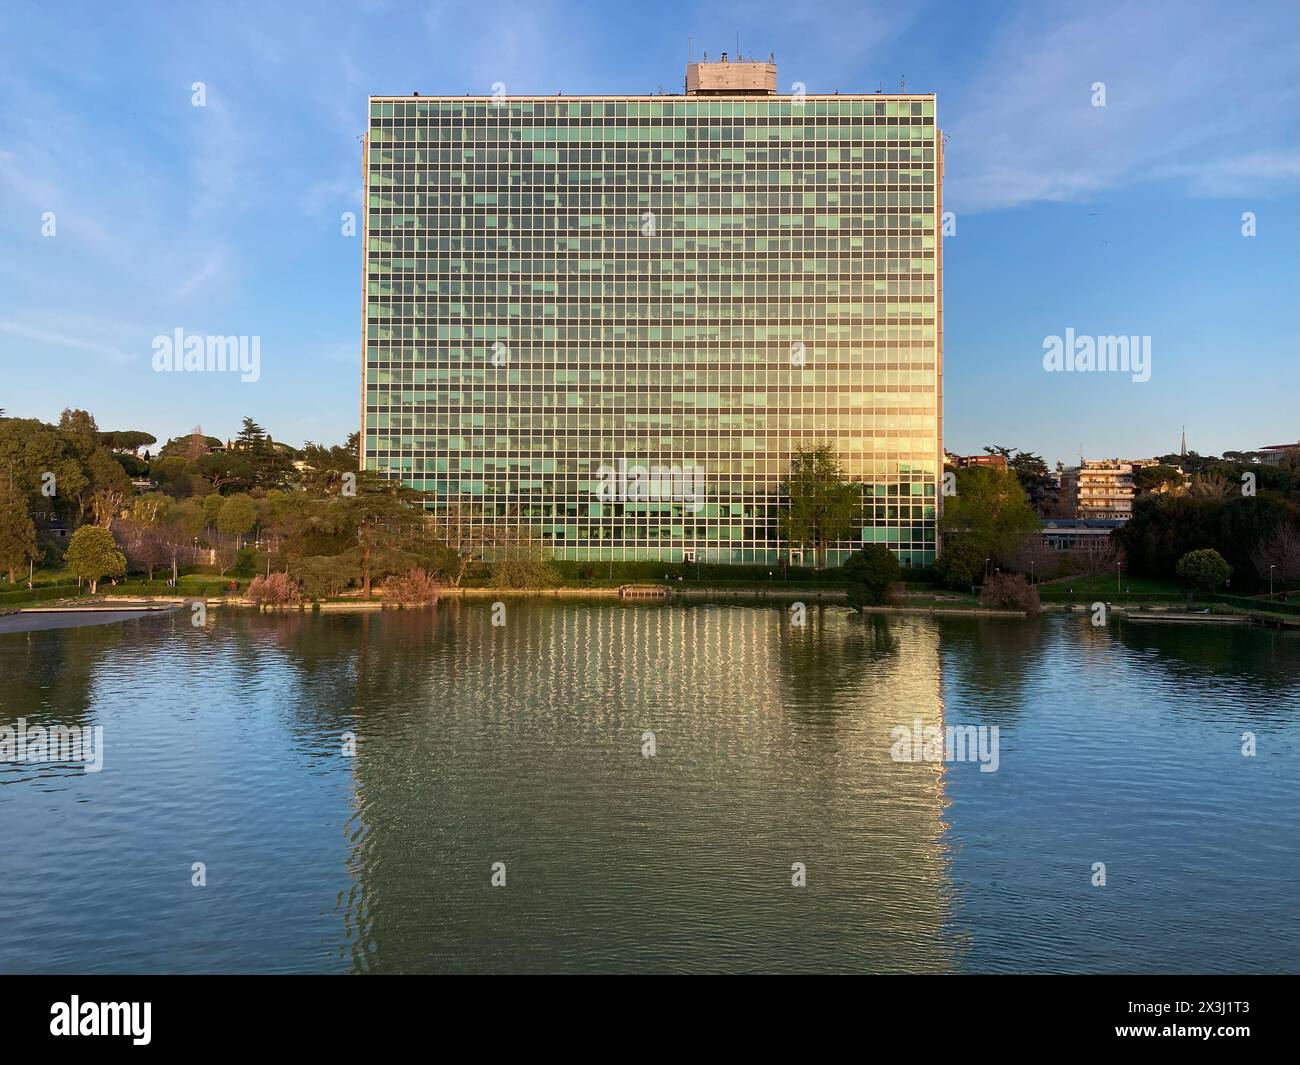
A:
873,574
1205,570
523,573
245,563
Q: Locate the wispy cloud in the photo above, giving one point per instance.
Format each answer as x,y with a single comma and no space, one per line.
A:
208,271
1195,91
106,352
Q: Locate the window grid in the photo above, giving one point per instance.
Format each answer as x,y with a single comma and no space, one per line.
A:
642,269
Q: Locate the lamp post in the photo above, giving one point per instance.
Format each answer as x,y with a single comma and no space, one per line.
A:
1118,567
1271,568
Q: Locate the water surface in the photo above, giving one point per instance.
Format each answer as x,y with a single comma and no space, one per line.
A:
523,744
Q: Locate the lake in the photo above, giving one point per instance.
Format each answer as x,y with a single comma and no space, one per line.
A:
647,784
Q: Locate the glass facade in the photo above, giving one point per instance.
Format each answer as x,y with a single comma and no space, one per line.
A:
609,321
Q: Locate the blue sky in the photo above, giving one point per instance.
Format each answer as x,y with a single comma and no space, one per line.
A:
1124,219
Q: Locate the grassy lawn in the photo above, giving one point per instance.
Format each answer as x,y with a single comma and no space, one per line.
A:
1102,586
205,584
49,585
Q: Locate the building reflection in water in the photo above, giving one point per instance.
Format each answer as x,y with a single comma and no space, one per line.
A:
523,744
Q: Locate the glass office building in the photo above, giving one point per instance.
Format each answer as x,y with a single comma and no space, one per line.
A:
606,322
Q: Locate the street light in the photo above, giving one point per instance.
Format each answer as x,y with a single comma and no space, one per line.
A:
1118,567
1271,568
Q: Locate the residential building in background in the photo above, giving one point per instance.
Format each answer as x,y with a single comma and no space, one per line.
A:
961,462
1101,488
607,322
1273,454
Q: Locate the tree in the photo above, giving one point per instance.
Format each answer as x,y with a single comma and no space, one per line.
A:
126,440
990,516
1158,478
212,505
1278,555
375,522
133,466
191,447
1032,473
274,590
150,508
268,462
1204,570
324,467
324,576
821,506
1212,485
78,421
105,505
187,519
1164,528
961,565
146,546
237,515
68,462
1010,591
109,484
173,475
225,469
872,573
468,532
17,533
93,555
225,553
413,588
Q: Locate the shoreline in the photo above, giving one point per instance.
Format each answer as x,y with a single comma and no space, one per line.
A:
135,606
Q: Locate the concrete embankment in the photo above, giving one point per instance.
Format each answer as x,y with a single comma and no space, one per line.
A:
45,618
